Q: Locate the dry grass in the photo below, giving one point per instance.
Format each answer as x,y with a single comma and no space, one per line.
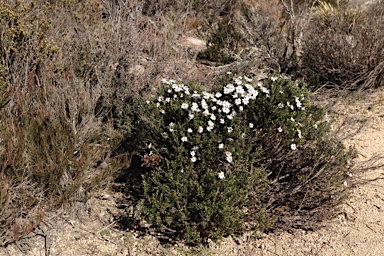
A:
343,46
69,68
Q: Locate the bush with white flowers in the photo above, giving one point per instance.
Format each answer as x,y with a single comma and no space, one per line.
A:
225,155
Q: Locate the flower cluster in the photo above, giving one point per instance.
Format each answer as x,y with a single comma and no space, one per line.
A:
207,112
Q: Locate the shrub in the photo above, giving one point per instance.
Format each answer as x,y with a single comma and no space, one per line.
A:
50,139
223,161
342,46
223,43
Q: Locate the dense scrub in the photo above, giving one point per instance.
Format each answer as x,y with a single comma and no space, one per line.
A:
75,77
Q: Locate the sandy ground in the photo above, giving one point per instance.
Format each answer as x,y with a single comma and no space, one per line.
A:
358,230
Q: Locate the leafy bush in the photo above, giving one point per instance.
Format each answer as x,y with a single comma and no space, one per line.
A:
343,46
223,161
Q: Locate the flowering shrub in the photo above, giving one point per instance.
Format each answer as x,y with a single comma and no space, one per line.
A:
216,171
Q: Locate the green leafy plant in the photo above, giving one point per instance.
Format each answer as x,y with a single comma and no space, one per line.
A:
217,161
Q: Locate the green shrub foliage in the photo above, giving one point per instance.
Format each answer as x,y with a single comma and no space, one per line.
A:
223,161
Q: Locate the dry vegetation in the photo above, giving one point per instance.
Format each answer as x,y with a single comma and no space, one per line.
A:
72,74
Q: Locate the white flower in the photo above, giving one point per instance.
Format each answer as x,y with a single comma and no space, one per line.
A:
280,105
298,103
245,100
171,124
279,129
230,117
204,104
206,112
230,129
226,110
195,95
213,117
150,145
195,107
189,130
168,100
251,125
184,139
148,101
171,130
207,95
252,94
221,175
229,88
209,128
241,108
293,146
240,90
184,105
238,80
228,156
315,126
200,130
218,95
238,101
221,145
193,153
193,159
195,148
175,96
292,119
160,98
222,121
265,90
299,133
247,79
210,123
177,88
157,104
162,111
274,78
213,108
